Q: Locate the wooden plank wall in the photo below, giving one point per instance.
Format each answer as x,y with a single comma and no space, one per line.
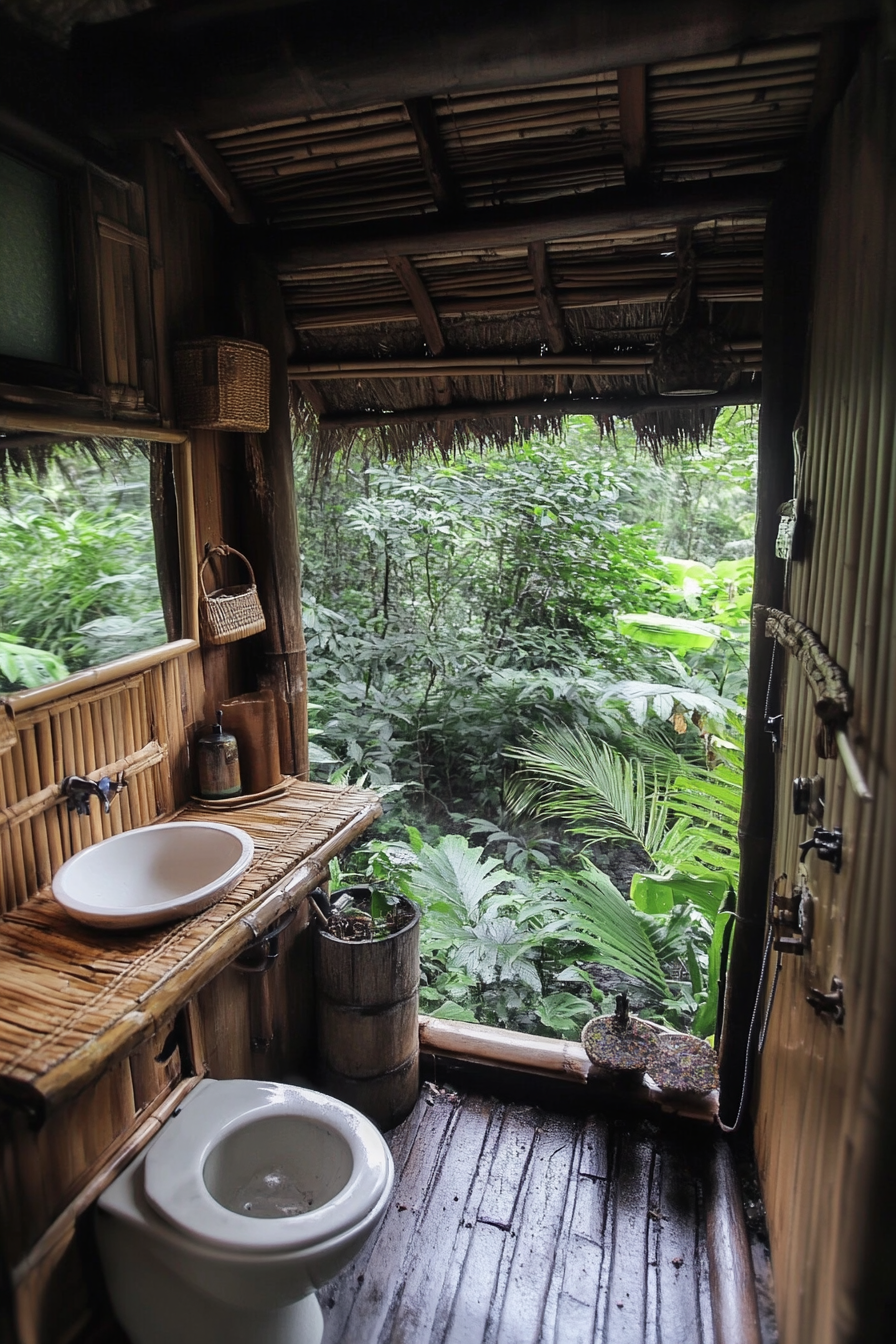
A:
826,1092
188,305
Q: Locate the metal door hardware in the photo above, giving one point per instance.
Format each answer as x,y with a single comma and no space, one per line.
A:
830,1004
827,844
792,918
808,798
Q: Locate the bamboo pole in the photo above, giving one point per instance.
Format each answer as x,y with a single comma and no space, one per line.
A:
94,677
539,407
381,58
609,210
33,805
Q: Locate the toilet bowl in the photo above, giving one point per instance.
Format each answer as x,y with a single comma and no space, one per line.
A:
250,1197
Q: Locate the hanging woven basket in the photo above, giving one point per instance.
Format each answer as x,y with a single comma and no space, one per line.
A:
232,613
222,384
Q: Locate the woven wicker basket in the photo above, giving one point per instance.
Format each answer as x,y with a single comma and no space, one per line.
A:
222,384
230,613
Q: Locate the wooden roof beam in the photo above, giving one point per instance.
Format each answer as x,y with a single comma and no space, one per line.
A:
442,183
208,164
631,83
550,313
479,364
539,406
417,292
212,67
608,210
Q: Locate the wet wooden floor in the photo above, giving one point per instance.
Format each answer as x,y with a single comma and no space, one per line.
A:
510,1225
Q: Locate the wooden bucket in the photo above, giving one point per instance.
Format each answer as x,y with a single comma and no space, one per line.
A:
367,1021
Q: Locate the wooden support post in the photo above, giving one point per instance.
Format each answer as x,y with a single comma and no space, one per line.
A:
785,321
632,86
417,292
209,67
216,175
837,55
311,392
442,183
552,324
270,516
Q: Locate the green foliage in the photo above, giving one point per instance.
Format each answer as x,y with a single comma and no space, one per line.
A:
605,922
21,666
591,787
668,632
78,566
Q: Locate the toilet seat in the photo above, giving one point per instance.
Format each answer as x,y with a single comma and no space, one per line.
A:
174,1182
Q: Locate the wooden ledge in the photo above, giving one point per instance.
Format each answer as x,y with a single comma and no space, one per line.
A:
75,1000
494,1047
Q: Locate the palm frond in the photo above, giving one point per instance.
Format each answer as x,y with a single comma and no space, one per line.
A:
602,919
591,787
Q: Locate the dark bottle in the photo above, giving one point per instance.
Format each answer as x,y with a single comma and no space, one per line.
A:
218,761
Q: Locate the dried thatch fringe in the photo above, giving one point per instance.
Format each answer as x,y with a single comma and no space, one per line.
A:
32,454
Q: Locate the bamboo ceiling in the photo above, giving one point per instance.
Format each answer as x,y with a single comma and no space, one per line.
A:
388,333
428,243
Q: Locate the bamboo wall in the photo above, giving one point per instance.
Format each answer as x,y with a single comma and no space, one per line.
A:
825,1092
138,724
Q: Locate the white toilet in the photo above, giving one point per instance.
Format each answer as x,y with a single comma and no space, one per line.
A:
250,1197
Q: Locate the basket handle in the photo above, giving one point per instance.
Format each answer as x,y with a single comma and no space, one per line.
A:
222,550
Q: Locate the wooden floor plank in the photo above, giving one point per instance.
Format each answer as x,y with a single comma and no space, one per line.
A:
678,1302
626,1290
509,1225
474,1302
364,1315
464,1259
444,1217
579,1263
537,1231
508,1172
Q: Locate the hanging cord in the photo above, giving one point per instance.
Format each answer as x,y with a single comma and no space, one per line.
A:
729,1129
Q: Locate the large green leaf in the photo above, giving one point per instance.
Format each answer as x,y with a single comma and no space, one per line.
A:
22,666
657,895
668,632
453,874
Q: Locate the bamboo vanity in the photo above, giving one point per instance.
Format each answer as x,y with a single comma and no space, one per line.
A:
102,1034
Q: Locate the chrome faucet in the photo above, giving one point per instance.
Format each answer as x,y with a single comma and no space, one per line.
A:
79,790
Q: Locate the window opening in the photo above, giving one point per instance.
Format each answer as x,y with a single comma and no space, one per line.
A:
78,578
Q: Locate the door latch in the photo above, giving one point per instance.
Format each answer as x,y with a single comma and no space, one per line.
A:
808,798
830,1004
827,844
792,917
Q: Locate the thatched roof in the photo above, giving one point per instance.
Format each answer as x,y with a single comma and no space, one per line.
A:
460,267
363,174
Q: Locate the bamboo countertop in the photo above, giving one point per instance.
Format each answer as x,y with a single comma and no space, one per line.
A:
75,1000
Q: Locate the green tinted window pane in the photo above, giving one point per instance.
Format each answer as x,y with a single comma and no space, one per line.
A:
32,273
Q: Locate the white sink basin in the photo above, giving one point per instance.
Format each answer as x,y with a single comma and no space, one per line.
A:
153,874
